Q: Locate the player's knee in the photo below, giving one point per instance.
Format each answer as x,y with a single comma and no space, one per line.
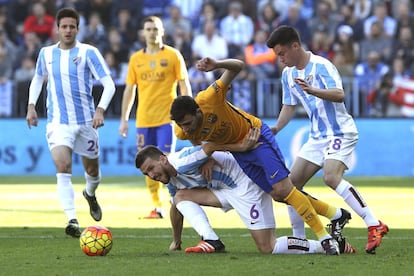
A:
331,179
265,248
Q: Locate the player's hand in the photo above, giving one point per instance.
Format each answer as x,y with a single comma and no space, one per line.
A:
303,84
206,64
206,169
98,118
31,116
250,140
123,129
175,245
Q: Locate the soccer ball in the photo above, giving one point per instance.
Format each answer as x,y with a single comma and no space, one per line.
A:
96,241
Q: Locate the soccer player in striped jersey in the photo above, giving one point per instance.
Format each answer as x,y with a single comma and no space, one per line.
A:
314,82
229,188
153,74
72,120
210,118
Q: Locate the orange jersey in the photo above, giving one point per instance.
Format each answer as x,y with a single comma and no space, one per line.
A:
156,79
222,123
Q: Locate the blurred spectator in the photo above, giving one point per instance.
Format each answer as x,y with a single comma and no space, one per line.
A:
369,75
321,43
237,29
9,48
241,90
404,48
95,32
190,9
378,42
324,19
17,12
30,47
200,80
259,58
8,26
103,7
349,18
182,43
176,20
208,13
404,16
305,7
295,20
41,23
209,43
158,8
118,69
116,45
388,23
135,9
346,51
268,18
402,94
126,26
22,78
362,8
6,85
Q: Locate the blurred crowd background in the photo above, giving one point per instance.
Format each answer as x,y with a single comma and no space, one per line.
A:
370,42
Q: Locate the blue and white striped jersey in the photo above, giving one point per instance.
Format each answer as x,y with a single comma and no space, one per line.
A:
70,80
327,118
187,162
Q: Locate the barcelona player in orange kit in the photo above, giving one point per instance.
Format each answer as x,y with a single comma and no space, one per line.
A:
153,74
209,117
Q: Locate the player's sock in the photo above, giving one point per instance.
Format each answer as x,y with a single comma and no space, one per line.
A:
197,218
66,194
304,208
293,245
154,188
92,183
298,225
322,208
352,197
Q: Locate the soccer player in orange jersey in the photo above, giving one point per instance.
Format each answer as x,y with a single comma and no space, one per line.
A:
153,74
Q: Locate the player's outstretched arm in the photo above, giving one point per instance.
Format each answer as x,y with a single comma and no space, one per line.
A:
176,219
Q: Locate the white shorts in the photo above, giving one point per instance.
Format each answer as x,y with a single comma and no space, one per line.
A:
254,206
338,148
83,140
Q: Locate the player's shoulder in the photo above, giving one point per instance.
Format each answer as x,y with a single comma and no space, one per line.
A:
137,54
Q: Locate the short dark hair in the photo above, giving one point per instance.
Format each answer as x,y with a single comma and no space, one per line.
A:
149,151
283,35
152,18
67,12
181,106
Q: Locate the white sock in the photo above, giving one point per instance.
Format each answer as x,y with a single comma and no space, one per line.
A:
292,245
197,218
352,197
66,194
298,226
92,183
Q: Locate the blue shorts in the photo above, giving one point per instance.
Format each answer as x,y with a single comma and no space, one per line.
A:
265,164
161,136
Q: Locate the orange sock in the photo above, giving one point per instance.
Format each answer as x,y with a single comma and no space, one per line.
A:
322,208
154,187
305,209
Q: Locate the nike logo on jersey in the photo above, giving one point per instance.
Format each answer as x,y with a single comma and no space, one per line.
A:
253,222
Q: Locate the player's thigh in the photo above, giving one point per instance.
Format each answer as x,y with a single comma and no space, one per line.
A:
302,170
202,196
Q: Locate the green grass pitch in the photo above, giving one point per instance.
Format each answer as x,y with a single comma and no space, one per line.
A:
33,242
